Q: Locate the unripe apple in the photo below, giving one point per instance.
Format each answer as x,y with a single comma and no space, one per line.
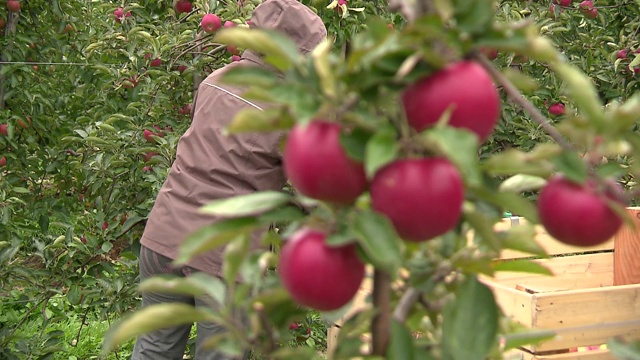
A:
319,276
13,5
622,54
557,109
578,214
465,89
421,197
156,62
3,130
183,6
318,166
3,161
210,23
22,124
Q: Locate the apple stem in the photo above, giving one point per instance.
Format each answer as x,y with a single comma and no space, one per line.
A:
527,106
381,323
408,299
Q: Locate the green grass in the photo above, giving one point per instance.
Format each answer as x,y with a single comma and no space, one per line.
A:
77,343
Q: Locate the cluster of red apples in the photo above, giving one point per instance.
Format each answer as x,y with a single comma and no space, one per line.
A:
586,7
421,196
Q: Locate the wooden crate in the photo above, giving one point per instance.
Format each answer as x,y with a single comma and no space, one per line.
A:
579,303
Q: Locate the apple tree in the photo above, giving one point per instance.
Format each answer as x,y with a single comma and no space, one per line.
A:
403,151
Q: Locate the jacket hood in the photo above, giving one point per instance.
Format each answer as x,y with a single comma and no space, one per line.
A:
293,19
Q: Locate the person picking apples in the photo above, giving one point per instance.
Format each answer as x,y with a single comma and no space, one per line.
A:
210,165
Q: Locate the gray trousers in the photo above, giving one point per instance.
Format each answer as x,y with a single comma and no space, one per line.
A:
171,343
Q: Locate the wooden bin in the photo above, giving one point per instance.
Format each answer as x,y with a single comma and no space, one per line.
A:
579,303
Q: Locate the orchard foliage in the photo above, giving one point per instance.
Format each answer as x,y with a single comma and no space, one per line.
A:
94,102
426,261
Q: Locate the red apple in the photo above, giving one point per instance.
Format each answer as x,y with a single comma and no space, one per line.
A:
235,58
340,8
578,214
3,161
3,23
146,169
119,14
229,24
318,166
319,276
182,68
463,87
490,53
586,7
22,124
3,130
622,54
210,23
294,326
233,50
564,3
422,197
13,5
183,6
156,62
557,109
149,135
148,155
105,225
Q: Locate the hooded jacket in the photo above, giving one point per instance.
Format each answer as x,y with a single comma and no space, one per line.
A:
210,165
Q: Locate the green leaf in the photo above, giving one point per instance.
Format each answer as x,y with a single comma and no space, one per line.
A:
512,161
526,266
234,254
195,285
626,351
250,76
44,223
470,322
458,145
20,190
154,317
381,149
256,120
401,345
74,294
355,143
130,223
277,49
521,183
529,337
378,239
214,236
474,16
509,201
572,166
522,238
243,205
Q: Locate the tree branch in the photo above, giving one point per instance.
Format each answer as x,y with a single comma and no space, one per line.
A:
527,106
381,323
